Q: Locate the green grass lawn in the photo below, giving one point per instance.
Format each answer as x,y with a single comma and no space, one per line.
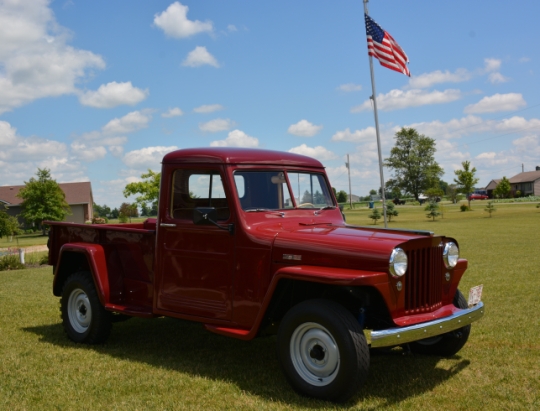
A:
167,364
24,240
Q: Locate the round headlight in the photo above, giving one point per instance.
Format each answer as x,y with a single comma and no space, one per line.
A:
398,262
450,255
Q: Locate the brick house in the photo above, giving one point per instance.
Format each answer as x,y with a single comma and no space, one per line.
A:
528,183
78,196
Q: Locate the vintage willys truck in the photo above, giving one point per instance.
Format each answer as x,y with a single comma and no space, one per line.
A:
251,242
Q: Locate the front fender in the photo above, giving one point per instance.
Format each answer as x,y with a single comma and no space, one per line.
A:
95,260
324,275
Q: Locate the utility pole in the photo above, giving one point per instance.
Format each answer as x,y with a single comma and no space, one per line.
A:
348,165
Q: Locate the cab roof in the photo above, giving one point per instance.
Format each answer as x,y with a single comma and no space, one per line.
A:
235,155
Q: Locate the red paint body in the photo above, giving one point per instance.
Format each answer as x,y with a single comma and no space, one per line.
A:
237,283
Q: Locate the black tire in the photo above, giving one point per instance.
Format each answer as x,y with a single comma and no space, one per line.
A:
445,345
85,320
323,351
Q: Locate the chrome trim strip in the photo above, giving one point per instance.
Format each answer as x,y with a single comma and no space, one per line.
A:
402,335
167,225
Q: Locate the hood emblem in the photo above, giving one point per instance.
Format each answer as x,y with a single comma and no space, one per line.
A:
292,257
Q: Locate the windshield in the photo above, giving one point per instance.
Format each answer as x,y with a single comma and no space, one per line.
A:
269,190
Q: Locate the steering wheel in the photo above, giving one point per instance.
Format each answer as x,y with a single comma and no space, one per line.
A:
306,205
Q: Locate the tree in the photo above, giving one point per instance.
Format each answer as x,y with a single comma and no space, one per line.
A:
375,215
490,208
372,192
452,193
101,211
115,213
412,160
434,193
503,188
341,196
9,225
43,199
128,211
148,188
391,211
466,180
433,209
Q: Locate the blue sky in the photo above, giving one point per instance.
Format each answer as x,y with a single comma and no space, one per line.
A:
100,90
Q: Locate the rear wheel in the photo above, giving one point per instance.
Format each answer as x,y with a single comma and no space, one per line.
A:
323,351
85,320
445,345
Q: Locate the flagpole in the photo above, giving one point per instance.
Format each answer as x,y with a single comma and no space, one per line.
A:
377,129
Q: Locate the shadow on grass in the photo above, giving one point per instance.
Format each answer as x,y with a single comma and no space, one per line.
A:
252,366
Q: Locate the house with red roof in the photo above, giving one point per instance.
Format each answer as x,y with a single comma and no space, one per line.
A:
78,196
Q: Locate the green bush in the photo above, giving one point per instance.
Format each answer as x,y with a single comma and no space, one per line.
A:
10,262
464,207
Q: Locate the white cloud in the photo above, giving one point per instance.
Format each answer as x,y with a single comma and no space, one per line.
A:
172,112
454,128
21,156
149,157
429,79
199,57
399,99
216,125
236,138
208,108
113,94
304,129
366,134
7,134
131,122
232,28
349,87
496,78
319,152
174,22
490,156
35,58
86,153
491,65
497,102
116,151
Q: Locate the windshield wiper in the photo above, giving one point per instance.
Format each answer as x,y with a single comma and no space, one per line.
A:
256,210
324,208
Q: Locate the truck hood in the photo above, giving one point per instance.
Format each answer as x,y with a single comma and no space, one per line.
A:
344,246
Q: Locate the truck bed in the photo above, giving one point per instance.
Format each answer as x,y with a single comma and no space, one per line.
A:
127,259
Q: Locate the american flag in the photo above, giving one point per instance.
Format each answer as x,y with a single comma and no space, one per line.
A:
383,47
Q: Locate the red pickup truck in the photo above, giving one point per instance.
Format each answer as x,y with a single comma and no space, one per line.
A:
250,243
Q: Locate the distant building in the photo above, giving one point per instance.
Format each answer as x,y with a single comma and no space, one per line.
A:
78,196
527,183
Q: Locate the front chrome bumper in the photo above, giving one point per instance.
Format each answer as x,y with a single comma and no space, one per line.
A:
402,335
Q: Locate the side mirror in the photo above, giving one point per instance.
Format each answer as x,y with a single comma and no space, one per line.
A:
204,215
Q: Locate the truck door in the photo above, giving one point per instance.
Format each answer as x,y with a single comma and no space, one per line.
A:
195,262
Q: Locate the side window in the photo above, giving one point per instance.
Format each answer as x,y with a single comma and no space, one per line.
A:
197,188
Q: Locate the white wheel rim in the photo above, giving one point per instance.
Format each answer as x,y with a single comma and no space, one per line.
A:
314,354
79,310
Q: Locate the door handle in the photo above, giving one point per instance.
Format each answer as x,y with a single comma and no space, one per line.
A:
167,225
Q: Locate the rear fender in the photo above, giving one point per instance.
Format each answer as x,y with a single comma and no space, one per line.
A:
82,256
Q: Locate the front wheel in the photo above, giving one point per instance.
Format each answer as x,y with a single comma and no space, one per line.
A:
445,345
85,320
323,351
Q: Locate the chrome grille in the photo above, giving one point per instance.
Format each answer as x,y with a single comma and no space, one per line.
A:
423,291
